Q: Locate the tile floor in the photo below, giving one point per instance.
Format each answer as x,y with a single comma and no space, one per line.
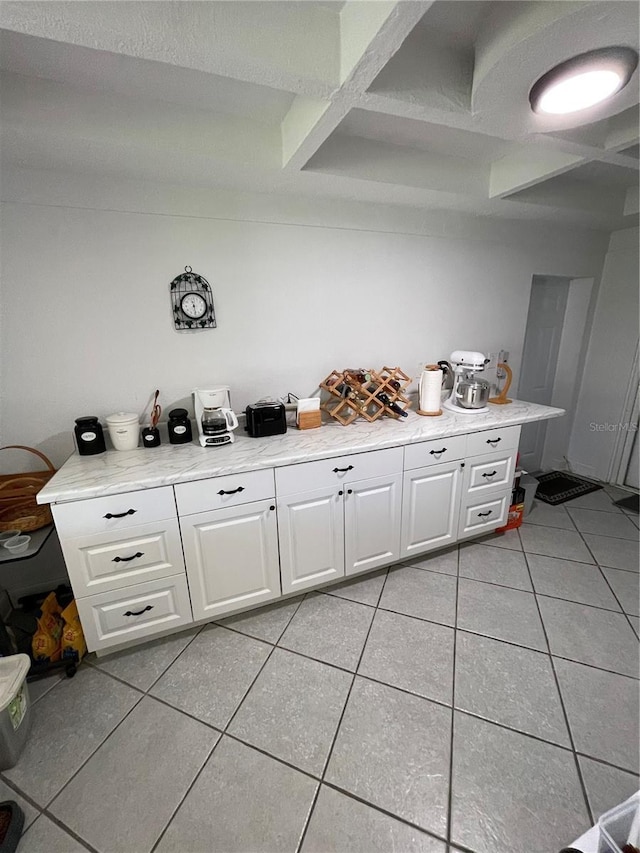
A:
482,699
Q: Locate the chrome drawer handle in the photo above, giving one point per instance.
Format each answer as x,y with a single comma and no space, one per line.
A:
127,559
493,440
484,514
139,612
492,474
232,492
343,470
438,452
120,514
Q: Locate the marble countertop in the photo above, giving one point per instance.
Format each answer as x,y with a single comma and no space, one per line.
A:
115,472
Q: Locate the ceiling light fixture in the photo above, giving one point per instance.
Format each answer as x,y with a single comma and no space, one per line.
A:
583,81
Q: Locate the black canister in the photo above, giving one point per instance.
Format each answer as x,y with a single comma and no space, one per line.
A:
179,426
89,436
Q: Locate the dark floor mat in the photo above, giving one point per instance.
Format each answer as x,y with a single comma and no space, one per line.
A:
556,487
632,502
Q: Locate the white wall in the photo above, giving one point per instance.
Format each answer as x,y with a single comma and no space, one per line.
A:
609,360
300,287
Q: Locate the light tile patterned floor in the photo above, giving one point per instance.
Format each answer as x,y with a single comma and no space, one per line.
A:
482,699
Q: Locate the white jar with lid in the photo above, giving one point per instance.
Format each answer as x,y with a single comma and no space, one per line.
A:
124,430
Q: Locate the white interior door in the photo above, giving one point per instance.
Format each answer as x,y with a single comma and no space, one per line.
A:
545,321
632,477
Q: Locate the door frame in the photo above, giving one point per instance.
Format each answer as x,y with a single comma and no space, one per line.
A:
624,440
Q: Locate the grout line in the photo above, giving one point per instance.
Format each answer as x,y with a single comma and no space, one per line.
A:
186,794
46,808
223,731
266,661
613,592
69,831
562,705
453,705
384,811
338,727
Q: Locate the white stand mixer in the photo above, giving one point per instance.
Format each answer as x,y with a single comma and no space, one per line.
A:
469,394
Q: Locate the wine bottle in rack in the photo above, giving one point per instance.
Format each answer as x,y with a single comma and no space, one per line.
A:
384,399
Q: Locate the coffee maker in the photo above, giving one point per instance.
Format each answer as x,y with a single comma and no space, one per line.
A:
469,394
214,416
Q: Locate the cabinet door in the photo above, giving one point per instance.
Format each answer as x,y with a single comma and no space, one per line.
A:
372,523
430,502
311,527
231,557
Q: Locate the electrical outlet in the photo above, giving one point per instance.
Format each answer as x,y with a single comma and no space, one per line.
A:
494,358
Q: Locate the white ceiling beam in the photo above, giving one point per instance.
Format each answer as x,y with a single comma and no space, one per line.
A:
524,169
370,34
264,43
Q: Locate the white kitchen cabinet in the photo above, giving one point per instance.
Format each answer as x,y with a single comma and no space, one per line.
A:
483,514
106,561
372,523
430,502
311,535
231,557
135,612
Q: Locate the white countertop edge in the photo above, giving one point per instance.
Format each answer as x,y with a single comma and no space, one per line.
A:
116,472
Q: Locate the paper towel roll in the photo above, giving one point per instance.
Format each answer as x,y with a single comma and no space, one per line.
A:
430,388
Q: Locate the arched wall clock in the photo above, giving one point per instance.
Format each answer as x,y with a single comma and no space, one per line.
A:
192,302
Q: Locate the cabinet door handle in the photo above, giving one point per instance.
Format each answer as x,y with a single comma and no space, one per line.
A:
120,514
484,514
349,491
490,474
493,440
272,507
128,559
343,470
340,492
139,612
232,492
438,452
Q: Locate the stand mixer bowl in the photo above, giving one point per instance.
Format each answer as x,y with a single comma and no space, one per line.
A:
472,393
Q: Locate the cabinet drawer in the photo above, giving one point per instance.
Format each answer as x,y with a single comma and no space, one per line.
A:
483,515
116,512
112,618
435,451
503,439
219,492
109,561
493,472
293,479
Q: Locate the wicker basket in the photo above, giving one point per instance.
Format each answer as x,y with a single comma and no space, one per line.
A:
18,507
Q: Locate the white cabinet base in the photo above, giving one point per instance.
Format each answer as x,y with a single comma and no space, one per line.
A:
311,533
431,497
232,558
112,618
372,523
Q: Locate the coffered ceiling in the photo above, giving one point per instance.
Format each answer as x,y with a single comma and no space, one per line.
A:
412,103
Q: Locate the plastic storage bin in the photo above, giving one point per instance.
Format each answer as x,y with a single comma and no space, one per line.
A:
620,826
15,708
530,485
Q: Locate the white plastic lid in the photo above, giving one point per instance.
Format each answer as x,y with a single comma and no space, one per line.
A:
13,671
122,418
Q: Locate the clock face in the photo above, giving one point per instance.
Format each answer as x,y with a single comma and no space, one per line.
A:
193,306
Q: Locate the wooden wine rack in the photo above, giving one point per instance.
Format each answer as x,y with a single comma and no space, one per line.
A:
363,400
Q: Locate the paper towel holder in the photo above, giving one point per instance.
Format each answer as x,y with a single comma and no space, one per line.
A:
428,368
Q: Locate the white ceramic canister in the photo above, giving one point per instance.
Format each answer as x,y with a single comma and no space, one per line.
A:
124,430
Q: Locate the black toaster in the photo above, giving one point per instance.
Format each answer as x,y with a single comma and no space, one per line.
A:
265,419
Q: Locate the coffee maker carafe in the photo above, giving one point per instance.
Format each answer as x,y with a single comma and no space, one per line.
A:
214,416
